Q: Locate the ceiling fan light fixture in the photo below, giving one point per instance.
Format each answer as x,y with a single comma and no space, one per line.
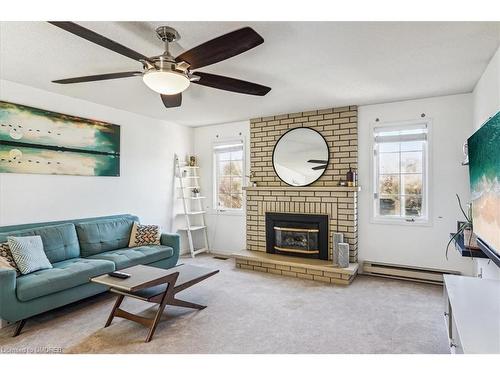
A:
166,82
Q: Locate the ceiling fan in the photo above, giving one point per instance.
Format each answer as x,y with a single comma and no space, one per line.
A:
170,76
324,164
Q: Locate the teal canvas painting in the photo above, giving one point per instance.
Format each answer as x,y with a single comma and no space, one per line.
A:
484,173
34,140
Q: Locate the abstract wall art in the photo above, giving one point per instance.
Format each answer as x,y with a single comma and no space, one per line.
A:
34,140
484,173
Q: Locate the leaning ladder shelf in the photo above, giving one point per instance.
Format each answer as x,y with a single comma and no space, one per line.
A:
188,174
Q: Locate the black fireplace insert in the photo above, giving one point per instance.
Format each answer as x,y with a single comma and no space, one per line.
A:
301,235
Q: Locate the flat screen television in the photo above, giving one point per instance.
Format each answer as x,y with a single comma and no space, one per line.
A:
484,173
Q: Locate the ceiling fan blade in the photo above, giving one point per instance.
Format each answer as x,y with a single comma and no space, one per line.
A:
101,40
319,167
221,48
98,77
231,84
171,101
315,161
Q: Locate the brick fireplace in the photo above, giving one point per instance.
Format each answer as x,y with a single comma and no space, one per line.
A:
323,197
338,203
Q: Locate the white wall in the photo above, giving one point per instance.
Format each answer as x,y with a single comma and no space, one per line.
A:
414,245
145,185
486,102
227,231
486,94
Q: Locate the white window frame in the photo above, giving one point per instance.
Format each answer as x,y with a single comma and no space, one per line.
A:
425,220
215,176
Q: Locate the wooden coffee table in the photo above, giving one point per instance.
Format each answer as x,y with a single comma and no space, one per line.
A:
154,285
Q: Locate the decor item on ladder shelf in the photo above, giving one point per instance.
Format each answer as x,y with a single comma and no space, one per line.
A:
337,238
343,255
192,204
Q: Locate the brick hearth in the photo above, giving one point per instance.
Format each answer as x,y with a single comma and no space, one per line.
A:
302,268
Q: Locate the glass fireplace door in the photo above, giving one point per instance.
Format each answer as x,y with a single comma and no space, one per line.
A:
296,240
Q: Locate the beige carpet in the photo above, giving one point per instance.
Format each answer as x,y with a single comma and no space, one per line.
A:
253,312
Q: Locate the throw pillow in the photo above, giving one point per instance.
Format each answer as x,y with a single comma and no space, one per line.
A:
6,257
28,253
144,235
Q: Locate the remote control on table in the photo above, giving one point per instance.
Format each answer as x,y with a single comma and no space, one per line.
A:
119,275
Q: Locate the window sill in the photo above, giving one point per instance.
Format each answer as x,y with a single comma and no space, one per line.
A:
402,222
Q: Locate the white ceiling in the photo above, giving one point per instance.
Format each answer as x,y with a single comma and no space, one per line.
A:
309,65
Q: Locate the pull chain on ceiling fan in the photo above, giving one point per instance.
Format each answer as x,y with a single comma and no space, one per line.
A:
170,76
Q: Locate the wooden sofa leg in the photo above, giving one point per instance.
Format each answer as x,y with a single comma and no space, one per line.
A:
19,327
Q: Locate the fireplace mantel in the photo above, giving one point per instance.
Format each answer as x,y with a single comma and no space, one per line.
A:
303,188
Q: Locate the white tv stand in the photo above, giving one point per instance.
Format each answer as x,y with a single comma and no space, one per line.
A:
472,314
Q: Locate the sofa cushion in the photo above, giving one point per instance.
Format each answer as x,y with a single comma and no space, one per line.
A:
128,257
103,235
28,253
59,241
64,275
143,235
6,258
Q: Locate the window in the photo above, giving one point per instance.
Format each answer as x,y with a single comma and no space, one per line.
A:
228,175
401,172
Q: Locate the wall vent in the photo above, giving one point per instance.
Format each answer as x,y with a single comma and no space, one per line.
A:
395,271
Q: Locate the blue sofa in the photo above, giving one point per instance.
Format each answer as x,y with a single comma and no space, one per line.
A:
78,250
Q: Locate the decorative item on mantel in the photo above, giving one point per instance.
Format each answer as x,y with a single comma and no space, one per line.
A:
343,255
337,238
250,177
351,179
192,161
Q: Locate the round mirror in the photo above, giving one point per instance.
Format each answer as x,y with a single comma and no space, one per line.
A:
300,156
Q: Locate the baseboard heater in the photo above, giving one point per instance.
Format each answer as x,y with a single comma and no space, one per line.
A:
395,271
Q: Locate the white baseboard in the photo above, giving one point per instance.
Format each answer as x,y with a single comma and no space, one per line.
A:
4,323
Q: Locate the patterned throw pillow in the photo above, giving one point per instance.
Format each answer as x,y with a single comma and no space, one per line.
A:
6,257
144,235
28,253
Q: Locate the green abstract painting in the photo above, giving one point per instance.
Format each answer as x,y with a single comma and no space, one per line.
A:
34,140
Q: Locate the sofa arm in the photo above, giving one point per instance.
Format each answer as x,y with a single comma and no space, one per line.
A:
7,279
173,240
7,290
